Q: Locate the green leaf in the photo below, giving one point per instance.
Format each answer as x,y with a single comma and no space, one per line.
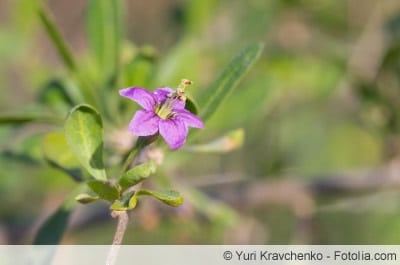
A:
85,85
133,201
214,95
227,143
104,189
57,153
118,206
127,202
104,29
137,174
191,106
86,198
84,134
52,230
57,39
22,118
170,197
60,95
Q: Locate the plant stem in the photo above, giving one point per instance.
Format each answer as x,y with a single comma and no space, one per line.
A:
142,142
129,159
123,220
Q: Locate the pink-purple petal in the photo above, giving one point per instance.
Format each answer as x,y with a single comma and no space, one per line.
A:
161,94
141,96
189,118
174,132
144,123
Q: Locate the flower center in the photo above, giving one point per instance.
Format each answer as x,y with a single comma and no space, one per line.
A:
165,110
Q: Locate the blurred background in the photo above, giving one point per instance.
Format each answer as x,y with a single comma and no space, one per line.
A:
320,110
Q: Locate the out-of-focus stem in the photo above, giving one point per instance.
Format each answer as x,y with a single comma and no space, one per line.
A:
123,220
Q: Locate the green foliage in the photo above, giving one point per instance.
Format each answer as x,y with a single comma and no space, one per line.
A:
137,174
86,198
84,134
228,80
304,111
57,39
127,202
57,153
19,118
104,189
170,197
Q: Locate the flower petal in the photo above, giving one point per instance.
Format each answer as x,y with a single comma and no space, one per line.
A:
140,95
189,118
144,123
174,132
161,94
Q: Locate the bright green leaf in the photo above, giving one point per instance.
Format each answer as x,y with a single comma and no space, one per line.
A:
57,153
86,198
127,202
84,134
137,174
214,95
118,206
104,189
170,197
133,201
229,142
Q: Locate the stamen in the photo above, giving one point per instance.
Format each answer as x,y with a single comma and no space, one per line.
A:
180,91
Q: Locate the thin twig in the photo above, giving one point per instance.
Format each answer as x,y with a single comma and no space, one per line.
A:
123,220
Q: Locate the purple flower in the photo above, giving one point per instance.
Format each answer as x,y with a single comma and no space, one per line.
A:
164,112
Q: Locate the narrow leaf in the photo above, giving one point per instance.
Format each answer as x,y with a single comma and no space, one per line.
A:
170,197
22,118
57,39
215,94
227,143
104,189
84,134
137,174
86,88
